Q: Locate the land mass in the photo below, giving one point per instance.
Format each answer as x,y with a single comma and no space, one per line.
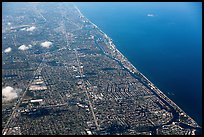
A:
73,79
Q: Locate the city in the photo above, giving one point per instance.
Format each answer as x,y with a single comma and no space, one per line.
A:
72,80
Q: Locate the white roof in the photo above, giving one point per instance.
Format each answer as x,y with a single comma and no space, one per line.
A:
89,132
37,100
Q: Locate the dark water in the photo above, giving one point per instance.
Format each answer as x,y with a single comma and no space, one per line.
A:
165,47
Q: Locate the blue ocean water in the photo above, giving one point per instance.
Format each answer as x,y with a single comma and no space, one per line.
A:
163,40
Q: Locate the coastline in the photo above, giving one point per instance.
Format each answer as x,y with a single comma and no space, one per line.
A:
135,70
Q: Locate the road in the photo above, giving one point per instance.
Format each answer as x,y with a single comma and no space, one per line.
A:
85,89
19,101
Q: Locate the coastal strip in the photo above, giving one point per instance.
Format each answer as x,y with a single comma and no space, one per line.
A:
127,64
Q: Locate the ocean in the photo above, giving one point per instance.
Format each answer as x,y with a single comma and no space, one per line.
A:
163,40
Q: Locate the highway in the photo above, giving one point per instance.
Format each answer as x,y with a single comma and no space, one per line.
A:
20,100
84,88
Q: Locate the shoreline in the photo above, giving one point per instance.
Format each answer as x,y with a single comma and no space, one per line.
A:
135,70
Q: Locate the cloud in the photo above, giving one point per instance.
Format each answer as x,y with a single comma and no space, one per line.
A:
46,44
9,93
150,15
31,28
7,50
30,46
23,29
24,47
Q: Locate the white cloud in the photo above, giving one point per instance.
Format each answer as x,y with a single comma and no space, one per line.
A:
46,44
150,15
30,46
24,47
23,29
31,28
9,93
7,50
